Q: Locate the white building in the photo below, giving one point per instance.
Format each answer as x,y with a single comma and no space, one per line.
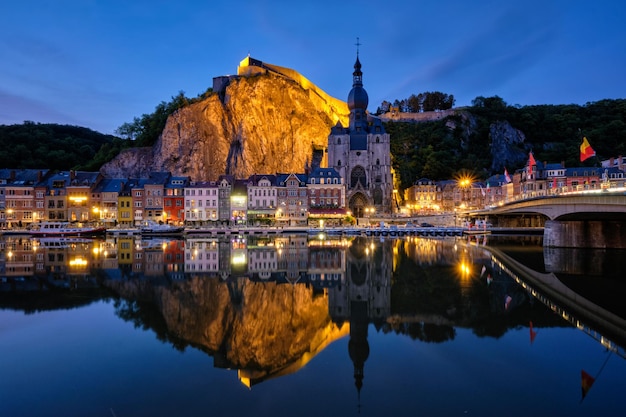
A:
201,202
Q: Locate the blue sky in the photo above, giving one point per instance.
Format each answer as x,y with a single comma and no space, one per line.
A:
100,63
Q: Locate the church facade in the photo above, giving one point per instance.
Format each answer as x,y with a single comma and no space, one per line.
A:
361,155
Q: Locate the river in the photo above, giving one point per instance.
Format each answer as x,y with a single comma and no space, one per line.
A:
310,326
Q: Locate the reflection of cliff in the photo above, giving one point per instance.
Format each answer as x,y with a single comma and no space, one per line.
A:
263,329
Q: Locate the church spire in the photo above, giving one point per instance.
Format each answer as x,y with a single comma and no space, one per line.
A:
357,75
357,99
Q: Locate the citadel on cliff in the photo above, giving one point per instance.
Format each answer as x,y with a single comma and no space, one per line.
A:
358,179
269,147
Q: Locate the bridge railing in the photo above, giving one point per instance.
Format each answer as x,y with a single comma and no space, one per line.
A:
561,191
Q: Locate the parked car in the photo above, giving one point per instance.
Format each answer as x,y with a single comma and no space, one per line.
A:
424,224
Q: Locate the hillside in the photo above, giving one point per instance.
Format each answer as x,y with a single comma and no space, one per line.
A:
486,138
56,147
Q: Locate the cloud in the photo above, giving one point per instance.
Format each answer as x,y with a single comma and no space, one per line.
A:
13,109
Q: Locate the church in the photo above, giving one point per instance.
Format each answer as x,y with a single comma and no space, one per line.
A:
360,153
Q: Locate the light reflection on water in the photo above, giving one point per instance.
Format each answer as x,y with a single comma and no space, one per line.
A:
267,324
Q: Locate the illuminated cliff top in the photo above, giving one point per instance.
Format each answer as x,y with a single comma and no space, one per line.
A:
250,66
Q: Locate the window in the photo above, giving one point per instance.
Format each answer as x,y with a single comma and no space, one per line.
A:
358,177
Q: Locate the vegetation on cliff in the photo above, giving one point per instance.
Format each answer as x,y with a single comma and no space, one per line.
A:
145,130
440,149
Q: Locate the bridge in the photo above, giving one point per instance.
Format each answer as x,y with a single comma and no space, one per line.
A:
603,325
594,218
573,206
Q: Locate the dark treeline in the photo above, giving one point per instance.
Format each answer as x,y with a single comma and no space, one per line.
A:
422,102
56,147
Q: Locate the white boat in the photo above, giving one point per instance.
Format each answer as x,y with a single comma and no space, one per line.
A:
153,228
51,229
61,242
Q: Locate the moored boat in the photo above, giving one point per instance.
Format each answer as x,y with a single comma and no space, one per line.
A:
51,229
149,227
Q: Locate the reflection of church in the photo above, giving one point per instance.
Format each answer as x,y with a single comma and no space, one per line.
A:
364,297
361,154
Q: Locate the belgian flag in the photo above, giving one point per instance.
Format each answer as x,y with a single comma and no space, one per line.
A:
586,382
586,151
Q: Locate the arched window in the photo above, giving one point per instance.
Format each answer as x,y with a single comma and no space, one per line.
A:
378,162
338,141
339,163
358,177
377,139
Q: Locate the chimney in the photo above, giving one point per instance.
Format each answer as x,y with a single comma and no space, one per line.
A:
12,176
562,164
39,176
620,163
72,175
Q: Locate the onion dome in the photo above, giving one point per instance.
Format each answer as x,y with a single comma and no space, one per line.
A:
357,99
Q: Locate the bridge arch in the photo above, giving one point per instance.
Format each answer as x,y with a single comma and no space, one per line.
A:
609,206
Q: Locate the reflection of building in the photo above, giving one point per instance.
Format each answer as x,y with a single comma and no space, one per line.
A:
201,255
365,297
293,254
327,266
262,259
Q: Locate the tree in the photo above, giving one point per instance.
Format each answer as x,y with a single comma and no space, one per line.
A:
146,130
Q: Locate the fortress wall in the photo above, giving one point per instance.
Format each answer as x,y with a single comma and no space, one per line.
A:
250,66
427,116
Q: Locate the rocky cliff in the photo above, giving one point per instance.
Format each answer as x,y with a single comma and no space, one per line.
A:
262,124
262,329
508,146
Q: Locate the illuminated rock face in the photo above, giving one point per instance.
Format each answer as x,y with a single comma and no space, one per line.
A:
265,124
261,327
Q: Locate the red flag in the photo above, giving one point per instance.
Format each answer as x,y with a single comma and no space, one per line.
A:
554,182
506,176
586,382
531,161
533,333
586,151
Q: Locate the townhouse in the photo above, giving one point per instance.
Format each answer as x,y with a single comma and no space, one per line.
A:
201,202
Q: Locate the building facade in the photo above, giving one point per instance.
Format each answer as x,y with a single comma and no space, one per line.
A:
361,154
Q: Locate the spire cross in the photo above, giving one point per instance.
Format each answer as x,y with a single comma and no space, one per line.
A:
357,46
